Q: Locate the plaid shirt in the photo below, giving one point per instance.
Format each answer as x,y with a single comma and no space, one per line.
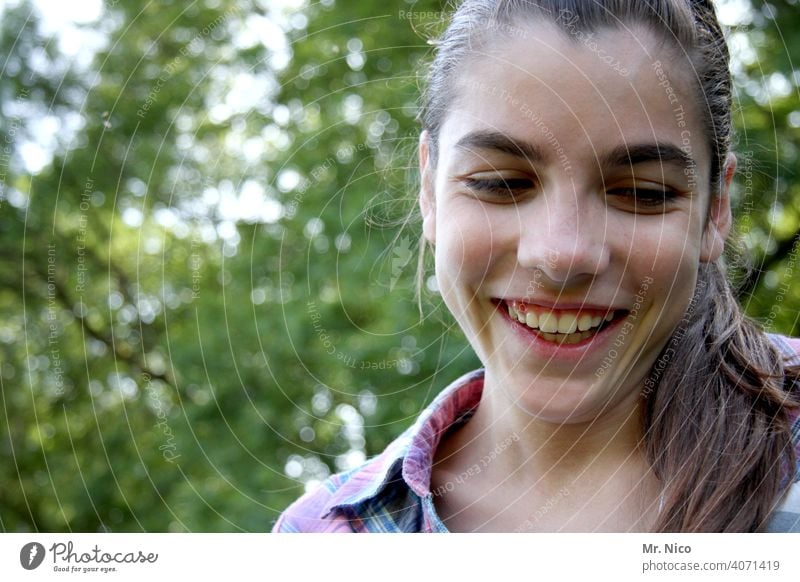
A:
391,492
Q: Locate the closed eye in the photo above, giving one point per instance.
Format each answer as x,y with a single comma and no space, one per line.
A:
644,196
500,187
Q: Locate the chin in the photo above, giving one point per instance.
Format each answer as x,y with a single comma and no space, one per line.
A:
564,401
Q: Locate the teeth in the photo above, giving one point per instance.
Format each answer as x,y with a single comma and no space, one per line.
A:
566,328
567,323
585,322
548,322
572,338
517,315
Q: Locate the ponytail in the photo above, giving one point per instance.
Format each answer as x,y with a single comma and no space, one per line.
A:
717,421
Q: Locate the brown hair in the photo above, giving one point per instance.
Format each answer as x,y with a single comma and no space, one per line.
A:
717,425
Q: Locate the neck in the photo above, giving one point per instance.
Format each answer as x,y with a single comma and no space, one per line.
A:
556,454
582,476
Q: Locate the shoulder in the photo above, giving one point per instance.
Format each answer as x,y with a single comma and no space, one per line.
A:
787,516
312,512
384,494
789,347
325,509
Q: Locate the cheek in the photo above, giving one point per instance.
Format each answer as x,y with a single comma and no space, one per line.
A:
670,242
670,258
468,241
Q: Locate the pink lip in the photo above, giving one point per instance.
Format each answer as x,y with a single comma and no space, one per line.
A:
564,353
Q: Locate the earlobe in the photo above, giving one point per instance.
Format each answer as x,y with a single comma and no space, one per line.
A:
427,199
718,225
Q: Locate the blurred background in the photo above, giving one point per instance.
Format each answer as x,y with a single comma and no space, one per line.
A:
206,272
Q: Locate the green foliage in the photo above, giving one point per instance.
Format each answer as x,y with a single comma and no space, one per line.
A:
198,314
768,143
164,357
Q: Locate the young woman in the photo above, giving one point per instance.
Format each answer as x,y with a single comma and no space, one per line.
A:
575,174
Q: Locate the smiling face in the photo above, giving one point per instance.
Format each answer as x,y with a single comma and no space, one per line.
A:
568,208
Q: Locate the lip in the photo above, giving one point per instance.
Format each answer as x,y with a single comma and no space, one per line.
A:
565,353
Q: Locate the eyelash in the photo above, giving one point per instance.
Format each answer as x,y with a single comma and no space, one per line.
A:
648,197
508,188
500,187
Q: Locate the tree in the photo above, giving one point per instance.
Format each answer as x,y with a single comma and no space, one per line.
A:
767,148
199,315
178,338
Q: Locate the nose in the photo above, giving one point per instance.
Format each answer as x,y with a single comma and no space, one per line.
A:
564,236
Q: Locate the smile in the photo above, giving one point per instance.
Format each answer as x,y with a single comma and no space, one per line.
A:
560,326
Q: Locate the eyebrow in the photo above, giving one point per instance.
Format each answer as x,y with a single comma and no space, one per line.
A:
630,155
494,140
624,155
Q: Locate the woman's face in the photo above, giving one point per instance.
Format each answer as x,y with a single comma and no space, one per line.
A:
571,192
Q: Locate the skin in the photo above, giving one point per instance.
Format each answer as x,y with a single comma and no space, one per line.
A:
569,231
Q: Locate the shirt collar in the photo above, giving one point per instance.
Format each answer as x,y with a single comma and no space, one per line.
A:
414,450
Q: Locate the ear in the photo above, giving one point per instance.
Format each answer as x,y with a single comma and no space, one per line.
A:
718,225
427,198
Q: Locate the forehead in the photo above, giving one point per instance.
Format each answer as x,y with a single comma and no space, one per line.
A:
595,90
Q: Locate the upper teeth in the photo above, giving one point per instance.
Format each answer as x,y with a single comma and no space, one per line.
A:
562,322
